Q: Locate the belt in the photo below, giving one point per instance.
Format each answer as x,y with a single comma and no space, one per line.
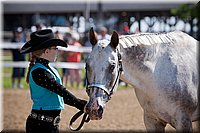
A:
45,118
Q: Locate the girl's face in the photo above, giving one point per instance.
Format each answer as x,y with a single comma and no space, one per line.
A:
52,53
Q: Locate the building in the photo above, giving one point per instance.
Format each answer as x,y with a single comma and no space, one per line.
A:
83,14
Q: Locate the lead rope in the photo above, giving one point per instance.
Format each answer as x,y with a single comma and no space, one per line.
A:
85,119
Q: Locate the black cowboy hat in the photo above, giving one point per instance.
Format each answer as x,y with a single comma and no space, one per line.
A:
41,39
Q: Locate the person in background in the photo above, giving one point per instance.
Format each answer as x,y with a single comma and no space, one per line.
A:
38,26
58,35
75,74
86,44
46,89
63,55
103,34
18,72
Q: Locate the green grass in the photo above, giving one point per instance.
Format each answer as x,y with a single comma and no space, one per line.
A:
7,71
7,78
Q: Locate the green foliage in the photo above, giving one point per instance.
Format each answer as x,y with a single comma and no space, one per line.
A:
197,10
187,11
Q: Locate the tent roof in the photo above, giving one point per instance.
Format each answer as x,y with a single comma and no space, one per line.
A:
80,6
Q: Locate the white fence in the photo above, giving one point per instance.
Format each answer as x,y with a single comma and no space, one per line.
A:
70,65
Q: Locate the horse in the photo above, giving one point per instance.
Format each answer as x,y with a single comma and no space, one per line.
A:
161,67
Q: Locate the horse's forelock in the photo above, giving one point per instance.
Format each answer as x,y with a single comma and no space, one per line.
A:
103,43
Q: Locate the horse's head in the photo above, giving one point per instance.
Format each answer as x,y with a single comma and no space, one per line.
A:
103,69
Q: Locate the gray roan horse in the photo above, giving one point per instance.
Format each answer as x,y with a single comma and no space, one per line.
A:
162,68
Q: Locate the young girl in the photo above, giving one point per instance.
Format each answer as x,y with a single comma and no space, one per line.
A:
47,93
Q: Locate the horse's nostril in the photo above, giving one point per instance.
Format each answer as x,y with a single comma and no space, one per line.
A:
100,110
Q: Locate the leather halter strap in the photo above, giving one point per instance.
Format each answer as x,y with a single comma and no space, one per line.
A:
100,86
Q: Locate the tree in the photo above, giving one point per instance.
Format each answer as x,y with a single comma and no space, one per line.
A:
187,12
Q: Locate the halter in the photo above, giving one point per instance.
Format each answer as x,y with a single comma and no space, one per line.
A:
102,87
85,118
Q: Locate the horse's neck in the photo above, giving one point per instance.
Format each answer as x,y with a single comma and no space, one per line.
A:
137,64
139,52
139,56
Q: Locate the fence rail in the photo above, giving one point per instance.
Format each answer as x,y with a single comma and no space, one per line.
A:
69,65
9,45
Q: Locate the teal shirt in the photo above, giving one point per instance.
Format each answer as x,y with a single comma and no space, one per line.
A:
44,99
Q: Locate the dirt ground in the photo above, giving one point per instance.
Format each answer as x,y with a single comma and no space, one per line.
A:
123,112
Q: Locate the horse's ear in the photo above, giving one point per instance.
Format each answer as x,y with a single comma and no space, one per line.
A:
93,37
114,39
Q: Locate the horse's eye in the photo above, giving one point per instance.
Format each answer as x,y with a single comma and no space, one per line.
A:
112,67
105,95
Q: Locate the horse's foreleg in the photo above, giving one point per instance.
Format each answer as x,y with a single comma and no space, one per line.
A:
183,122
153,125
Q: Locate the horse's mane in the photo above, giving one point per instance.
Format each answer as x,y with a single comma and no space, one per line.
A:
144,46
142,39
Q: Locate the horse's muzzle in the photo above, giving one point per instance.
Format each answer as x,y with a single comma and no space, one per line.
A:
95,113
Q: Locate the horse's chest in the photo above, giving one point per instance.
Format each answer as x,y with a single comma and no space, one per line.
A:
143,98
